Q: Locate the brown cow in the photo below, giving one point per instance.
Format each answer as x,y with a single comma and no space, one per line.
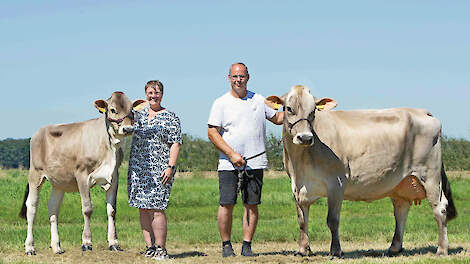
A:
75,157
363,155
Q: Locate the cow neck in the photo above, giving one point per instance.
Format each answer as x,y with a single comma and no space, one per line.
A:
111,134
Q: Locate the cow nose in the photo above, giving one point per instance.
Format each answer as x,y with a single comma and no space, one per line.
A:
304,139
128,129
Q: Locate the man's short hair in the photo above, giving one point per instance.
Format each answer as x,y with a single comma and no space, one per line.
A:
154,84
237,63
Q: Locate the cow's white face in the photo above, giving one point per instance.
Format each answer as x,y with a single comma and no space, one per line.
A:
300,108
118,110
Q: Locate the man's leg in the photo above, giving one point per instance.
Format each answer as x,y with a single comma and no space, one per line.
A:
228,197
224,219
251,195
250,220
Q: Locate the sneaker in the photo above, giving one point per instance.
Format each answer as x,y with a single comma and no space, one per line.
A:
246,251
149,251
160,254
227,251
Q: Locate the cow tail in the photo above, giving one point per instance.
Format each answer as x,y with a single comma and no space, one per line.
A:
24,208
451,210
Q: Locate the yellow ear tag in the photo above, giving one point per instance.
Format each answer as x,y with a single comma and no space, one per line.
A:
101,109
320,107
276,106
139,107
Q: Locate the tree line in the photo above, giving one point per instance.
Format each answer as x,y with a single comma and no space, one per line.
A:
198,154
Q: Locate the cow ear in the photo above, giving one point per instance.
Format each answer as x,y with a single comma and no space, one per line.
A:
101,105
139,104
273,101
325,104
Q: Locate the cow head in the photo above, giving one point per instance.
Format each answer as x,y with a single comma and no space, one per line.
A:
300,108
118,110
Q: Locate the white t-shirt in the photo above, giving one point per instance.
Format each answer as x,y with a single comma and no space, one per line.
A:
243,127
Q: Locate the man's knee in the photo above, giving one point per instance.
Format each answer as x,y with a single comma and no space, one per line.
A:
226,207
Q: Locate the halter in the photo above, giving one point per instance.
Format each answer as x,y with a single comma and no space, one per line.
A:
116,120
120,119
290,126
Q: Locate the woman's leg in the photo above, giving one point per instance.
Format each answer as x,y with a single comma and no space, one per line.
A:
159,227
146,217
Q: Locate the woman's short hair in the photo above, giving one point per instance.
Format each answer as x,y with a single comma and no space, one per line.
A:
154,84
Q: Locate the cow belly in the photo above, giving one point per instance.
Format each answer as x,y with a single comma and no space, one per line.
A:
408,189
64,183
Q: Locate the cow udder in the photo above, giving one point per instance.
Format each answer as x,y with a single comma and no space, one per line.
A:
409,189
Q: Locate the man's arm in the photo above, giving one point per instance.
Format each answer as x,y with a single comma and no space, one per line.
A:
278,118
219,142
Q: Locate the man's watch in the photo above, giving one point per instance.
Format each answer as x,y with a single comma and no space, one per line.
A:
173,167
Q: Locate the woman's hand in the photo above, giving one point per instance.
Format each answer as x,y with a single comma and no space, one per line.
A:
167,174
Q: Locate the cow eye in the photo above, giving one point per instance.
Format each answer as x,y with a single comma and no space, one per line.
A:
289,109
113,110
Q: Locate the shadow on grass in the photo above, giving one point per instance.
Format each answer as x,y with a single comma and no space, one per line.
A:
188,255
356,254
284,252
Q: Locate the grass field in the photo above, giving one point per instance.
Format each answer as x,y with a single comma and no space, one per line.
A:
366,229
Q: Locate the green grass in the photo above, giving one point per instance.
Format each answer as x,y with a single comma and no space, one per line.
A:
192,216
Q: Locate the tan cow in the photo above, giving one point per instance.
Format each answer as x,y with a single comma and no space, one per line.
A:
75,157
362,155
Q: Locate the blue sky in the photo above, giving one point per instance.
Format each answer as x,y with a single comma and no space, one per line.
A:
58,57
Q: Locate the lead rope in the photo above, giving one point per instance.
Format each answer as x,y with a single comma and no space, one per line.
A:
241,179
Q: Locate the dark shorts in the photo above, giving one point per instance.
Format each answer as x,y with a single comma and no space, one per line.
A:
251,190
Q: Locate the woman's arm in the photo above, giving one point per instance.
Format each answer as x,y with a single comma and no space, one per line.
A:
168,173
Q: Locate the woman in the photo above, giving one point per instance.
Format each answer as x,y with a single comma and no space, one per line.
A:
154,151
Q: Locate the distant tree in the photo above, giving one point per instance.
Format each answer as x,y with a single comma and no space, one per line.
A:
274,152
14,153
197,154
456,153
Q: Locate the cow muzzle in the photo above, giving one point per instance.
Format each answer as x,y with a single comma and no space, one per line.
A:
305,139
128,129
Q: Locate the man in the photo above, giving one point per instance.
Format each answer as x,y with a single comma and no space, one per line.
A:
237,128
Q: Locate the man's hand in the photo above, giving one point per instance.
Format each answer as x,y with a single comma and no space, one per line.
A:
167,174
219,142
237,159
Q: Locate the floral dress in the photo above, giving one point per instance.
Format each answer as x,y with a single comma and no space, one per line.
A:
150,153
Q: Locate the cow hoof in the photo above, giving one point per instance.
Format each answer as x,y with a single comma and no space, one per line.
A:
441,252
392,253
31,253
337,254
299,254
60,252
87,247
115,248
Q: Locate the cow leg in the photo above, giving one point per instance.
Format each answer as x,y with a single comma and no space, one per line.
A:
111,210
87,210
335,200
400,210
32,204
438,202
302,218
54,205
